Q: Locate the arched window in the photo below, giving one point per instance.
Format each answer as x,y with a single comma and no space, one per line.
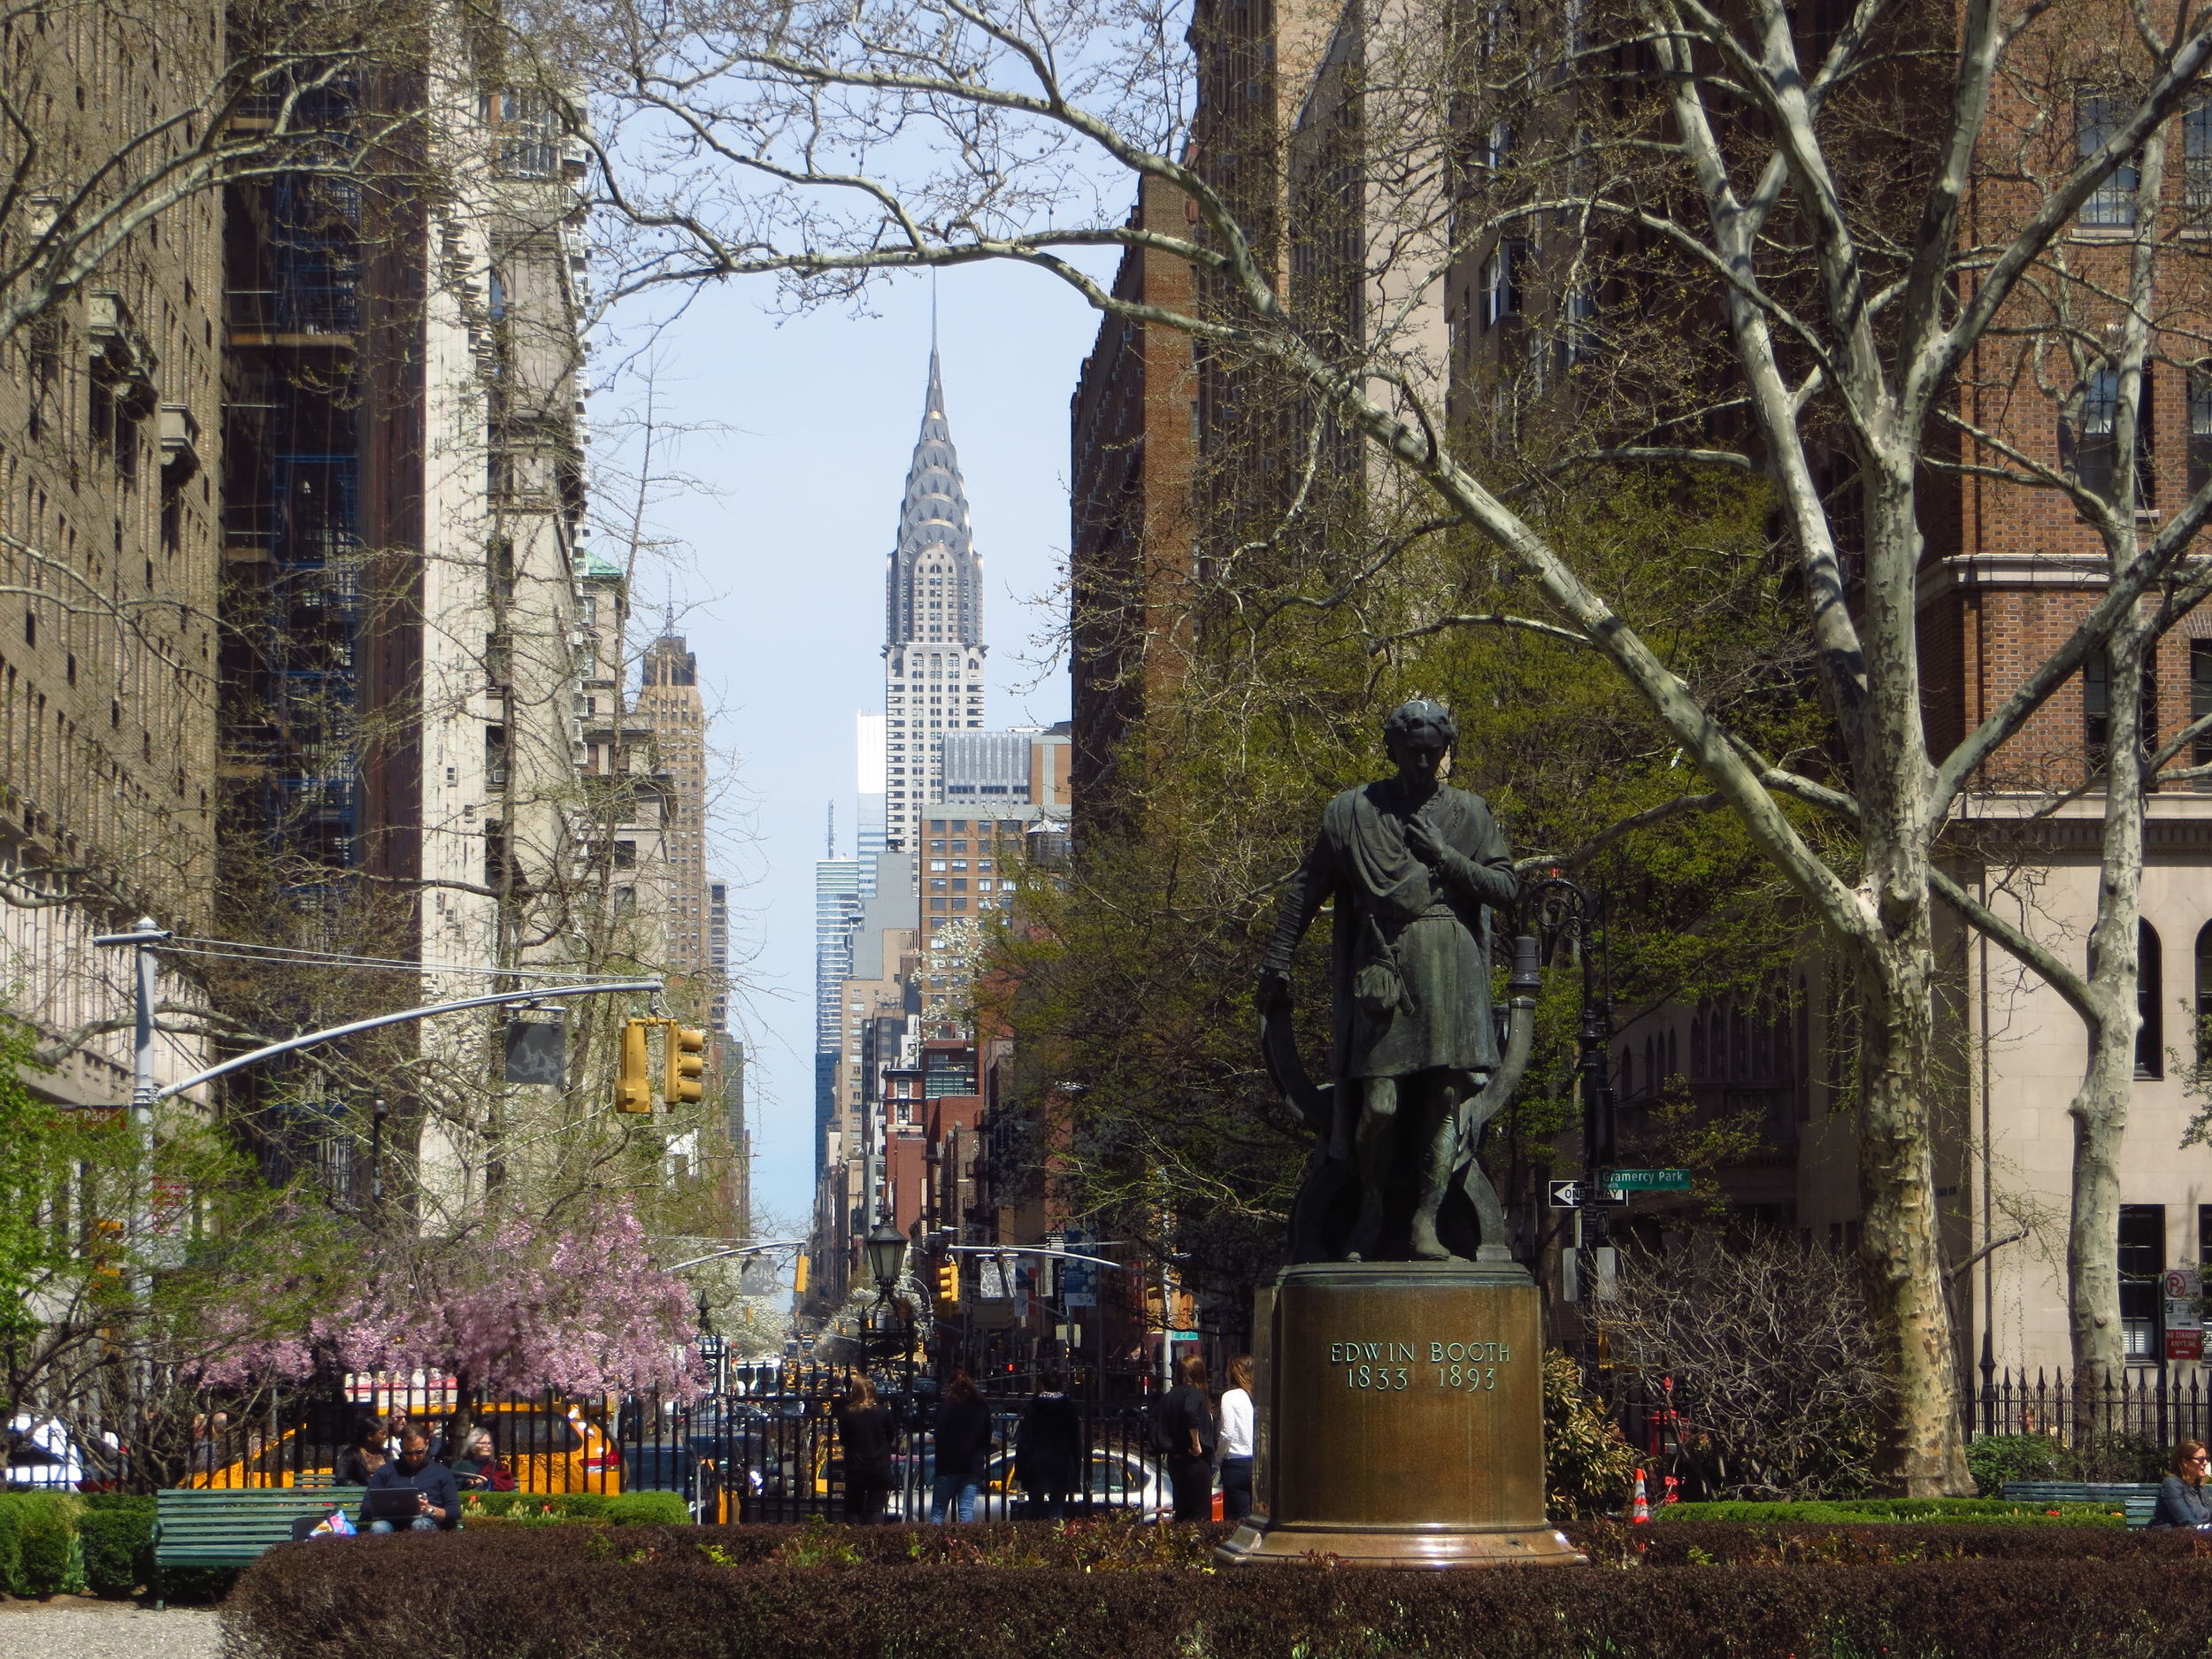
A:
1626,1082
1697,1044
1674,1056
2204,991
1655,1047
2150,998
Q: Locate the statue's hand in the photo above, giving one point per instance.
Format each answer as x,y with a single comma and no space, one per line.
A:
1274,990
1427,846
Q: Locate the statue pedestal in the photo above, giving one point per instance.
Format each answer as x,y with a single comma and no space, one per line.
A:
1400,1409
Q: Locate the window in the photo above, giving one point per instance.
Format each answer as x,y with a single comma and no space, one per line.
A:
2150,1003
1501,276
2097,119
2093,443
526,132
1697,1045
2096,703
2196,154
2142,1259
2204,992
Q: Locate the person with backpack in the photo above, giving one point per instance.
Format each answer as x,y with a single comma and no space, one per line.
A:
1184,1430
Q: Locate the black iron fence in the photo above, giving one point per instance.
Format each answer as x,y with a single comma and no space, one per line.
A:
2146,1404
763,1446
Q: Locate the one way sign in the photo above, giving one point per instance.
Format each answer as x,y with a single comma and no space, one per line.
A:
1581,1196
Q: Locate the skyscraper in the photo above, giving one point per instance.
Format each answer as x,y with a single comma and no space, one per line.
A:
934,650
669,700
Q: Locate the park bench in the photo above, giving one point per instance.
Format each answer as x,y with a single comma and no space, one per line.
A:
2139,1499
231,1526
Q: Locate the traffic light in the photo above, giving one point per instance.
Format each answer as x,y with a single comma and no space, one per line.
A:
687,1063
634,1092
801,1286
949,1284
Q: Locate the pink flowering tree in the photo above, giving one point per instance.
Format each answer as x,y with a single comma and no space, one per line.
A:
516,1305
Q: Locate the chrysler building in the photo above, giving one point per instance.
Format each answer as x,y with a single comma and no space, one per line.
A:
934,650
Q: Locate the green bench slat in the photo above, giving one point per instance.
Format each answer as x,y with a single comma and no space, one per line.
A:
200,1526
2140,1500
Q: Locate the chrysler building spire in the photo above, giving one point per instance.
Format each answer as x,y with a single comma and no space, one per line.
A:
935,588
933,651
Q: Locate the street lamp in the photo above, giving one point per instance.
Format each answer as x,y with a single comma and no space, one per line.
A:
886,1253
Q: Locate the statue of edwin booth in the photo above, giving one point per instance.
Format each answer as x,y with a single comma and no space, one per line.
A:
1413,866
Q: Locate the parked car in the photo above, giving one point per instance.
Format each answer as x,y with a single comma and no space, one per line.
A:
1121,1482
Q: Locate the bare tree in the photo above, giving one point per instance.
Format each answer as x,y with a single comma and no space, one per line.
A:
1856,260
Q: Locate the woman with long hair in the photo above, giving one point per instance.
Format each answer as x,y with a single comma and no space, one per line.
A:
865,1431
2181,1495
963,1450
1188,1416
1236,1440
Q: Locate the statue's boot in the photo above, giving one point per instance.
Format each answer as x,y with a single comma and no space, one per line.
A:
1436,1178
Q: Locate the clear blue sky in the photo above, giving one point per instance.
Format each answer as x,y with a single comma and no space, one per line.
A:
784,583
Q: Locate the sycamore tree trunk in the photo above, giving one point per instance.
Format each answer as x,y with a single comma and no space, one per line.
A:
2100,1106
1923,1454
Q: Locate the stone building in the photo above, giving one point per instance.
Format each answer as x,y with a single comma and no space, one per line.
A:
111,453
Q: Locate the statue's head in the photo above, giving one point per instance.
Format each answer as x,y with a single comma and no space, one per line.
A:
1418,734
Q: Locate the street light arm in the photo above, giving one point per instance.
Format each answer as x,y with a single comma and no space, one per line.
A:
739,1249
1032,1249
314,1037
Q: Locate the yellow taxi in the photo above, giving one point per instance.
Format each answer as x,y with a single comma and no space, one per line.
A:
549,1446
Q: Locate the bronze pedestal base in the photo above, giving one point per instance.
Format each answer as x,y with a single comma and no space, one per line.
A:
1401,1409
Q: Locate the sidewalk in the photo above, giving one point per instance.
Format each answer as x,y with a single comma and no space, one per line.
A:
68,1628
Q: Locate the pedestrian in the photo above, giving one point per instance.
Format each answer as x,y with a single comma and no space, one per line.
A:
437,1499
1049,1453
2181,1495
865,1431
963,1450
1188,1415
480,1469
1236,1441
366,1455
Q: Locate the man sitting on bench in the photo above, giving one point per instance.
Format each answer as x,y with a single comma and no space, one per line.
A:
411,1494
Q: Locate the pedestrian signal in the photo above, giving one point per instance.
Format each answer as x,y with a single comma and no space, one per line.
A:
687,1064
634,1092
949,1284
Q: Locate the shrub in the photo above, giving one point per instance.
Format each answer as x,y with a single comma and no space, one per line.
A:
39,1548
513,1595
118,1536
1587,1465
1994,1459
648,1508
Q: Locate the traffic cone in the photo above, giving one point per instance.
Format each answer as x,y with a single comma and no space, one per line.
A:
1641,1514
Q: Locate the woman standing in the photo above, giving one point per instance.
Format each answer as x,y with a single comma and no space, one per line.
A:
1188,1416
2181,1496
1236,1441
963,1450
864,1430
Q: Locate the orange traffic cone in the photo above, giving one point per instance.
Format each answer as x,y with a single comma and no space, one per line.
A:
1641,1514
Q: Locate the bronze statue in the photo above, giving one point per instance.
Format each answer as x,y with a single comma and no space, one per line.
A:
1414,866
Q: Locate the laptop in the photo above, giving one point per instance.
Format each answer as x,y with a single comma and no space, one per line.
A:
393,1503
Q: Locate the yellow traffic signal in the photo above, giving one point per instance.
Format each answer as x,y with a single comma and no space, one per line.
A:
687,1064
801,1286
634,1092
949,1284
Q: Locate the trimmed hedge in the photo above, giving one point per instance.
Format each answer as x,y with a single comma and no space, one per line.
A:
117,1533
1696,1543
548,1509
1983,1511
662,1594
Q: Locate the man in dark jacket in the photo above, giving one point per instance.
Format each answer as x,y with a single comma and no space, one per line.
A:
438,1501
1048,1457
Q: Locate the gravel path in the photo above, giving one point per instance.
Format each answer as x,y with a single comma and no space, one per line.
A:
69,1629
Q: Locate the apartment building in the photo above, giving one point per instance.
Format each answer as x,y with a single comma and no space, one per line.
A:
111,449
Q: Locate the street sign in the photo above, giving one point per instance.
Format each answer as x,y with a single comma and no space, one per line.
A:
1650,1181
2184,1313
1582,1195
